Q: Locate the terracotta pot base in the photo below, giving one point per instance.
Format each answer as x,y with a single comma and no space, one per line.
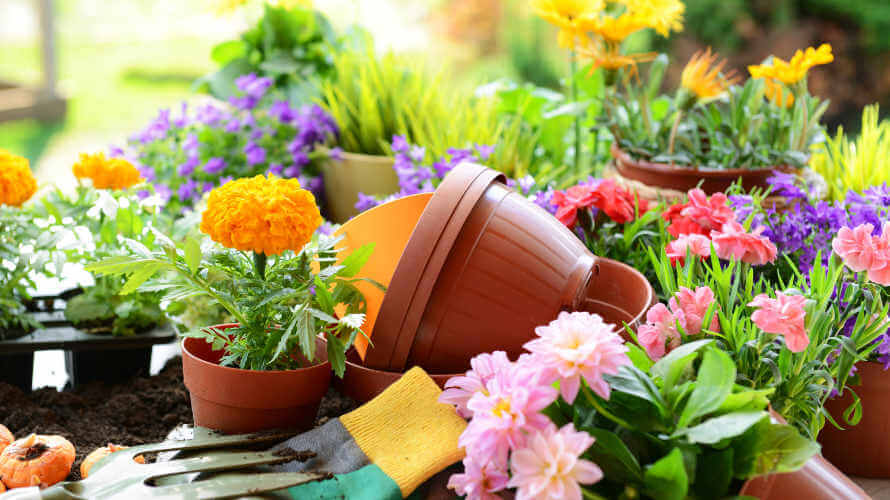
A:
236,401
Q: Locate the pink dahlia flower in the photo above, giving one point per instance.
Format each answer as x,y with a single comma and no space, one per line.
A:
459,390
551,467
696,244
733,242
480,482
577,345
784,315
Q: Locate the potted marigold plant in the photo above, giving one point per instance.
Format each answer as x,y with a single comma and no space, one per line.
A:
297,310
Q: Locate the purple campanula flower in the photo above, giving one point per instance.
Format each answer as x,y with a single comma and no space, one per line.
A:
365,202
336,153
188,190
253,87
282,111
314,184
233,126
417,153
183,119
156,129
275,169
399,144
293,171
214,166
543,200
143,194
526,184
326,228
115,151
163,191
225,179
188,167
785,185
206,187
484,151
300,158
147,173
255,153
210,115
190,144
257,134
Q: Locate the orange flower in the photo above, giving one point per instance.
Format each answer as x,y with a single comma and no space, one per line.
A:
106,173
702,76
777,93
17,183
608,56
263,215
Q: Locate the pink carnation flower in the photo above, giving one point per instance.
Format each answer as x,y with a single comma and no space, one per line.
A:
577,345
709,213
551,467
733,242
508,409
459,390
660,328
696,244
783,315
861,251
690,308
480,482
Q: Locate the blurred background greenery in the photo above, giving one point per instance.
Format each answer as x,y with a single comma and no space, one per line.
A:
120,61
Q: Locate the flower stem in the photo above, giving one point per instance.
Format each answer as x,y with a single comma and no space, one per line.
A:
602,411
674,133
259,263
573,89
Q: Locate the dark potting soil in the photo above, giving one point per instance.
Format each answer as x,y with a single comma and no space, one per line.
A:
139,411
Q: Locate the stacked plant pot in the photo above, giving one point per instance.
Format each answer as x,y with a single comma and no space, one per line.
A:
473,268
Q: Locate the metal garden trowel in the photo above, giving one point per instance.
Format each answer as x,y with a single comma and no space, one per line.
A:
118,476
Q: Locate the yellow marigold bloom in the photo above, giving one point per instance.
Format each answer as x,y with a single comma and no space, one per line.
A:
703,77
17,184
795,70
613,29
566,15
263,215
106,173
664,16
778,94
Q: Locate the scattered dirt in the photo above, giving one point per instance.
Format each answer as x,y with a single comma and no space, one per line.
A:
140,411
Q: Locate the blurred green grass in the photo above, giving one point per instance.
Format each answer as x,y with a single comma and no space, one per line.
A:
113,87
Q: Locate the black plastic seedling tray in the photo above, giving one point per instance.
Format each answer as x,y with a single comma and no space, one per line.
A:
88,357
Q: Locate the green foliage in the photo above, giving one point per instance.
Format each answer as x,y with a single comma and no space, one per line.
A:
855,163
799,383
739,130
280,303
291,45
677,431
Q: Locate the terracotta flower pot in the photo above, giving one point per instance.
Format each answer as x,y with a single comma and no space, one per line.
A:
350,174
684,178
816,480
363,384
482,268
237,401
861,450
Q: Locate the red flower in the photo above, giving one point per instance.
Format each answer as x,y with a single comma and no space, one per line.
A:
569,201
700,215
616,202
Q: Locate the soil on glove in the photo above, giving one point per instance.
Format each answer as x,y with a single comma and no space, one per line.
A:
139,411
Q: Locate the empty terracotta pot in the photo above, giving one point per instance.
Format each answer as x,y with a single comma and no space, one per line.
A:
237,401
363,384
684,178
861,450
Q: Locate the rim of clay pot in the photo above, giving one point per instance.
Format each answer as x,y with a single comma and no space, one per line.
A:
422,260
362,383
605,269
346,155
683,178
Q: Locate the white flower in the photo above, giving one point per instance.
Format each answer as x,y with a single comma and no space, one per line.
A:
106,204
353,321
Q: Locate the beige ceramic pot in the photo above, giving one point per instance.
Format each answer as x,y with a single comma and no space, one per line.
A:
350,174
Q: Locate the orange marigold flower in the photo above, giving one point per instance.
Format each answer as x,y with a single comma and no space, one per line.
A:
263,215
106,173
17,183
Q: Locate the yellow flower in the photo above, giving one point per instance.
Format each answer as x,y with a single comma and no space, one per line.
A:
608,56
702,76
106,173
663,16
17,184
263,215
613,29
778,94
795,70
566,14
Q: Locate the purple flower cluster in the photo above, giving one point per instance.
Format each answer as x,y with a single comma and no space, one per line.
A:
253,89
415,176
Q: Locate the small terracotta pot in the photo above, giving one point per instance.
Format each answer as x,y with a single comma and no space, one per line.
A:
682,178
483,267
351,174
364,384
618,293
861,450
237,401
816,480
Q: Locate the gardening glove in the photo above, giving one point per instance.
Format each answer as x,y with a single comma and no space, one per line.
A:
384,449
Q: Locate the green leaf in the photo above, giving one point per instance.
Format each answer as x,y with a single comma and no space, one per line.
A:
638,357
631,380
713,473
769,448
714,383
354,262
225,52
323,296
660,368
748,399
139,277
717,429
666,479
87,307
337,355
613,456
193,254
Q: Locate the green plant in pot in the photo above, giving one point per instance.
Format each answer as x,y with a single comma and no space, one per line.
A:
297,309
